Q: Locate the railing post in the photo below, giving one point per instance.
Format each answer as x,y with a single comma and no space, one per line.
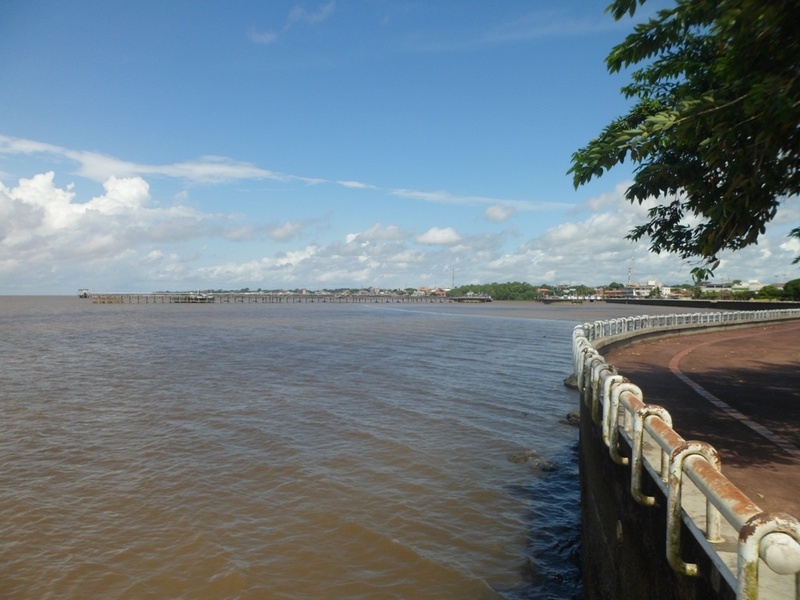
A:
674,508
752,538
637,450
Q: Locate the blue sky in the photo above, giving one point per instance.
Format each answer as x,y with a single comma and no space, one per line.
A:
335,143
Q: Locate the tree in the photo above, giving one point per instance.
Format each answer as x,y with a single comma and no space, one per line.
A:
715,129
791,289
770,291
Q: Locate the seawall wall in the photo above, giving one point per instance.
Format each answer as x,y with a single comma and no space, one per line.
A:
660,521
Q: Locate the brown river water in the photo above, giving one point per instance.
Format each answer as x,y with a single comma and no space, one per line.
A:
288,451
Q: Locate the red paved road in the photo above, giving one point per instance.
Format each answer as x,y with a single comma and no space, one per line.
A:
756,371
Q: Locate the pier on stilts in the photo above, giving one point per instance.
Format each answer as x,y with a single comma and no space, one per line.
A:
266,298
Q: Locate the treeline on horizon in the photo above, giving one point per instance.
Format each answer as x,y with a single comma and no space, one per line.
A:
498,291
525,291
519,290
515,290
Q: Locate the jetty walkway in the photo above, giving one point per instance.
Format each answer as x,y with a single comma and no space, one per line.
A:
266,298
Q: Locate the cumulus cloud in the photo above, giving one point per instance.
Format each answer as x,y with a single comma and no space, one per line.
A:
499,213
122,196
610,199
439,236
286,231
39,212
283,267
278,232
122,236
591,251
377,232
214,170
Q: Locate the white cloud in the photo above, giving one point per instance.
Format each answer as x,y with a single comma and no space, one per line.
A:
499,213
444,197
277,232
375,233
43,224
608,199
122,196
122,239
439,236
788,214
213,170
791,245
282,267
295,257
355,185
100,167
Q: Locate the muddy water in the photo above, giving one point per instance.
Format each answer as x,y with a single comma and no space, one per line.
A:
286,451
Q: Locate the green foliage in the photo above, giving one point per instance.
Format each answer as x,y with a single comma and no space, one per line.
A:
516,290
791,289
770,291
500,291
715,128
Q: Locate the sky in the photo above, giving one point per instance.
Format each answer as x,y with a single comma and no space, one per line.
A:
326,144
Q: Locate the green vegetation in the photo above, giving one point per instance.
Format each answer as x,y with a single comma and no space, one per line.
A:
522,291
500,291
516,290
714,129
791,290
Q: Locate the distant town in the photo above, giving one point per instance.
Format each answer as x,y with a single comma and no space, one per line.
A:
730,290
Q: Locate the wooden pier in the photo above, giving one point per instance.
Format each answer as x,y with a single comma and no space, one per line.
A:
259,298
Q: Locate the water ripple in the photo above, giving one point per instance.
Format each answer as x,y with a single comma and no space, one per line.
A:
300,451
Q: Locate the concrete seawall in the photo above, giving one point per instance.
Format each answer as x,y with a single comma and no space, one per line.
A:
738,305
660,521
623,541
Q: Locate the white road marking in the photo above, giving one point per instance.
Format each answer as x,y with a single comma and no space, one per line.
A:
773,437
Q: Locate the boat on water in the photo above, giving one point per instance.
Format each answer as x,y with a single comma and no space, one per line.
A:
83,293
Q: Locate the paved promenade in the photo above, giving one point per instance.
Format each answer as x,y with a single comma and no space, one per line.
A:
738,390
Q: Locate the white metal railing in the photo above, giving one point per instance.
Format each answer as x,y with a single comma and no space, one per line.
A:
618,409
612,327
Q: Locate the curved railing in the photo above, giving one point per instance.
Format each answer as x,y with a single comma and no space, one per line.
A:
688,473
627,325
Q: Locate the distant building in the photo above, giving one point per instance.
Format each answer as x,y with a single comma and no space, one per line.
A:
750,286
651,289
